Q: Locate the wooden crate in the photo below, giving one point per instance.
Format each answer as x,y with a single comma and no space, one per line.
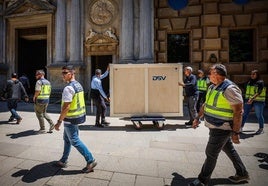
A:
146,89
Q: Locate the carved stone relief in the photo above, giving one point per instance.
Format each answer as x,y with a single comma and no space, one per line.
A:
102,12
101,43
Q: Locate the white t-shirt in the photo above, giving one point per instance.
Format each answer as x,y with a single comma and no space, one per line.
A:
67,94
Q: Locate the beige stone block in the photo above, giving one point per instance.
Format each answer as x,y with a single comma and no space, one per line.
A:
164,24
264,43
264,30
197,33
230,8
259,18
234,68
211,32
193,22
225,44
162,57
210,8
243,20
240,79
211,44
224,56
261,67
228,21
256,6
161,35
197,56
196,45
211,20
208,53
264,55
178,23
191,10
224,33
162,4
162,46
166,13
156,46
156,23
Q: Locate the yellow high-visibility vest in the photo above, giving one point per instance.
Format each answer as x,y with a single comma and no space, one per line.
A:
251,90
216,104
77,111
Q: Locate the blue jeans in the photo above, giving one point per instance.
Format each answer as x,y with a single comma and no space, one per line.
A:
12,107
220,140
71,137
258,108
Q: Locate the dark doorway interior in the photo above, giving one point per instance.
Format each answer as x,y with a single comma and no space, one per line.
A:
102,62
32,55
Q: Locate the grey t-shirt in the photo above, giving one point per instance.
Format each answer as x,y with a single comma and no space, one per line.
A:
14,89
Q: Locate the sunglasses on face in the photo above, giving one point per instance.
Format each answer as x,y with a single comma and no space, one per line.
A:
64,73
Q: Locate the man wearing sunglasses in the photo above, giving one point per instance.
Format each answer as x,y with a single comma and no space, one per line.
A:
73,112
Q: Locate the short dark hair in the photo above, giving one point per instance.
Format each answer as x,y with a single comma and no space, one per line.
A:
14,75
42,72
220,69
69,67
98,71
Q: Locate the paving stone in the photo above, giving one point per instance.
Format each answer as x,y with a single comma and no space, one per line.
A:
95,182
146,180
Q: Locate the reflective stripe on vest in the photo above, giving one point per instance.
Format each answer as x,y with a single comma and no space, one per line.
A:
217,105
252,90
202,84
45,90
77,107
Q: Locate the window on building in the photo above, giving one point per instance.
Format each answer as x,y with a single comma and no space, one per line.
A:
241,45
178,48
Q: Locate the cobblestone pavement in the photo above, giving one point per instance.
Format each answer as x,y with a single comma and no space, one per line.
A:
125,156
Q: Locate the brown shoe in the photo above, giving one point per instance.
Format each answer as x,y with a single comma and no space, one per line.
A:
18,121
89,167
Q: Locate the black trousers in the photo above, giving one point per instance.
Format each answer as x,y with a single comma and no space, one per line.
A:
101,108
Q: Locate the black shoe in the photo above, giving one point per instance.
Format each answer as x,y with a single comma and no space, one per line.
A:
11,119
260,131
188,123
105,123
99,125
197,182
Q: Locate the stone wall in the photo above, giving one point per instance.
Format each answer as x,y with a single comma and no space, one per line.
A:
208,22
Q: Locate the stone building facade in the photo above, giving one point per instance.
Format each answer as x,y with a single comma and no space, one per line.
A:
91,34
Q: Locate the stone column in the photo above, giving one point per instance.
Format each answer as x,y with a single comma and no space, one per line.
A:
127,32
146,31
75,32
60,44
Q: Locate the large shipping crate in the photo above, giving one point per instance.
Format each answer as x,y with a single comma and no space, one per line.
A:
146,89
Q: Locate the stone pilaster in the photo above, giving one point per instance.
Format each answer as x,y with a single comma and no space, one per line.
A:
146,31
75,32
60,43
127,30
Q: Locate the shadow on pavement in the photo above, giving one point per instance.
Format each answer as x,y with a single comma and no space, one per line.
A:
263,160
22,134
179,180
43,170
130,128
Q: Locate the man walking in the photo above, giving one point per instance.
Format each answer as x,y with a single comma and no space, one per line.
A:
41,100
222,113
73,112
191,93
99,97
13,91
